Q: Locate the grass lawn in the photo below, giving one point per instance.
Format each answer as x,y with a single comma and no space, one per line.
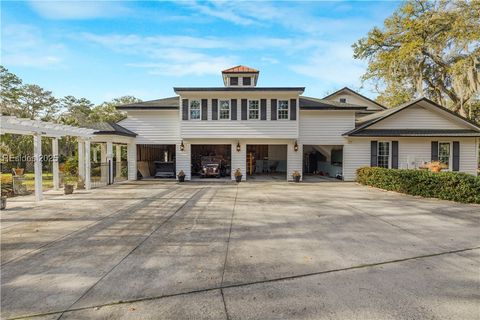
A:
29,182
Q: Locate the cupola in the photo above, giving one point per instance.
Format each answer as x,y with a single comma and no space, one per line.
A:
240,76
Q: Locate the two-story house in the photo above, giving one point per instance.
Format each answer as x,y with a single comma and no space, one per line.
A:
274,131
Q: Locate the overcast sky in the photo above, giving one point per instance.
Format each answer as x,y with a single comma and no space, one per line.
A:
105,49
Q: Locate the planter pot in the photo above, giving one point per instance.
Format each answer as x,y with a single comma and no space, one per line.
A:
296,178
238,178
68,188
3,205
19,171
181,178
436,169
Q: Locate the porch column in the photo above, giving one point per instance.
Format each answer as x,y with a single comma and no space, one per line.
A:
239,159
81,159
110,161
37,150
103,163
55,171
132,161
118,158
183,159
88,183
294,160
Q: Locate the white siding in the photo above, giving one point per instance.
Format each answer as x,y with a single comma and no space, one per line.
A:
294,160
355,99
417,117
239,160
183,160
325,127
153,127
413,152
132,161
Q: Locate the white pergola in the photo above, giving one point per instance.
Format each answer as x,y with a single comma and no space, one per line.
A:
39,129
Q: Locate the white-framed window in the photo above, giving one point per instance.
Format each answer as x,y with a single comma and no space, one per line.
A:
253,109
195,110
224,110
383,154
444,153
234,81
246,81
282,110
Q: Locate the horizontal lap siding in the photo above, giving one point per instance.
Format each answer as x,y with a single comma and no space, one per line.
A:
239,129
294,160
356,154
325,127
153,127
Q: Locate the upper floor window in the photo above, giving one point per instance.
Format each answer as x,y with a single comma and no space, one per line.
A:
383,156
247,81
343,100
195,110
444,153
224,109
253,110
234,81
282,110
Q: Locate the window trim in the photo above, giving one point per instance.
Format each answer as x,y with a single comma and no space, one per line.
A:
190,108
247,85
389,153
450,153
230,81
344,100
248,110
288,110
220,109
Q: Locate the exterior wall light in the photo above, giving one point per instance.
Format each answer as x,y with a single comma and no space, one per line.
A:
238,146
182,146
295,147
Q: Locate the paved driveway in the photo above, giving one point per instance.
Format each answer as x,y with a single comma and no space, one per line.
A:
160,250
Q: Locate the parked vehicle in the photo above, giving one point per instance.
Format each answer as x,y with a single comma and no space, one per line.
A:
211,167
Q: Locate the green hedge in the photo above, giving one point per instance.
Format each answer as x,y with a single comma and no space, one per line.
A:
454,186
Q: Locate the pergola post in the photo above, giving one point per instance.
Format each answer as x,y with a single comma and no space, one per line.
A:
118,158
37,150
88,183
103,163
110,161
55,171
81,159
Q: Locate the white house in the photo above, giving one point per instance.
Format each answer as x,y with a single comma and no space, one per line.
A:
275,131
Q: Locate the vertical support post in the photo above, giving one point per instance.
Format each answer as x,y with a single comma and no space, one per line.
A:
110,161
132,161
37,149
55,171
81,159
103,163
88,183
118,155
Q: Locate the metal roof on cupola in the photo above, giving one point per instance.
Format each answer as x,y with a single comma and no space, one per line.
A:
240,76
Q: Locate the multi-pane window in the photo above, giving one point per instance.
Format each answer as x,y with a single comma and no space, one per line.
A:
247,81
253,110
224,109
282,109
234,81
195,110
444,153
343,100
383,156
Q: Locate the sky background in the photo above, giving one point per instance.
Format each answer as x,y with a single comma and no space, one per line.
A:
105,49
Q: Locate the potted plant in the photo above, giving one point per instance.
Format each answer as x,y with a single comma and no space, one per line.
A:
80,183
436,166
68,188
19,171
238,175
296,176
4,203
181,176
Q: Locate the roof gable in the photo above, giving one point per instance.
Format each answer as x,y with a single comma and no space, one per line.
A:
355,98
240,69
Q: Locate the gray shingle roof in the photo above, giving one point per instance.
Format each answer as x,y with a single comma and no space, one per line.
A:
416,133
356,93
309,103
165,103
301,89
111,128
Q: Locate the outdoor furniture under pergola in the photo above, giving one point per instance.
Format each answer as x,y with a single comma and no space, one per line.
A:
39,129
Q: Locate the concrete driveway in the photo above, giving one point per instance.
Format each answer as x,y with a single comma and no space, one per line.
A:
161,250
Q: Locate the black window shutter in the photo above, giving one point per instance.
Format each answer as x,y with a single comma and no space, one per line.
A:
434,151
263,109
204,109
456,156
244,109
293,109
184,109
273,109
394,154
373,154
214,109
233,109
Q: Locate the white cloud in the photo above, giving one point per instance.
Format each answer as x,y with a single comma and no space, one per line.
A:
77,10
25,45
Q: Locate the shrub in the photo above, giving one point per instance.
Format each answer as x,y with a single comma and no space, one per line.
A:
456,186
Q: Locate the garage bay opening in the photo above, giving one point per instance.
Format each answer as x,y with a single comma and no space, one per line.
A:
155,161
322,162
266,162
211,161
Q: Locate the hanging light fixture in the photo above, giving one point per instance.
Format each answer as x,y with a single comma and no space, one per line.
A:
182,146
295,147
238,146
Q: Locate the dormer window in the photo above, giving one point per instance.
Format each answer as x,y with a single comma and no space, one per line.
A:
343,100
247,81
234,81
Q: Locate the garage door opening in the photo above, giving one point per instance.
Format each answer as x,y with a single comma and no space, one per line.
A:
211,161
155,161
322,162
266,162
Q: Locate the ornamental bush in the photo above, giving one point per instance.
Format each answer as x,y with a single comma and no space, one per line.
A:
455,186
